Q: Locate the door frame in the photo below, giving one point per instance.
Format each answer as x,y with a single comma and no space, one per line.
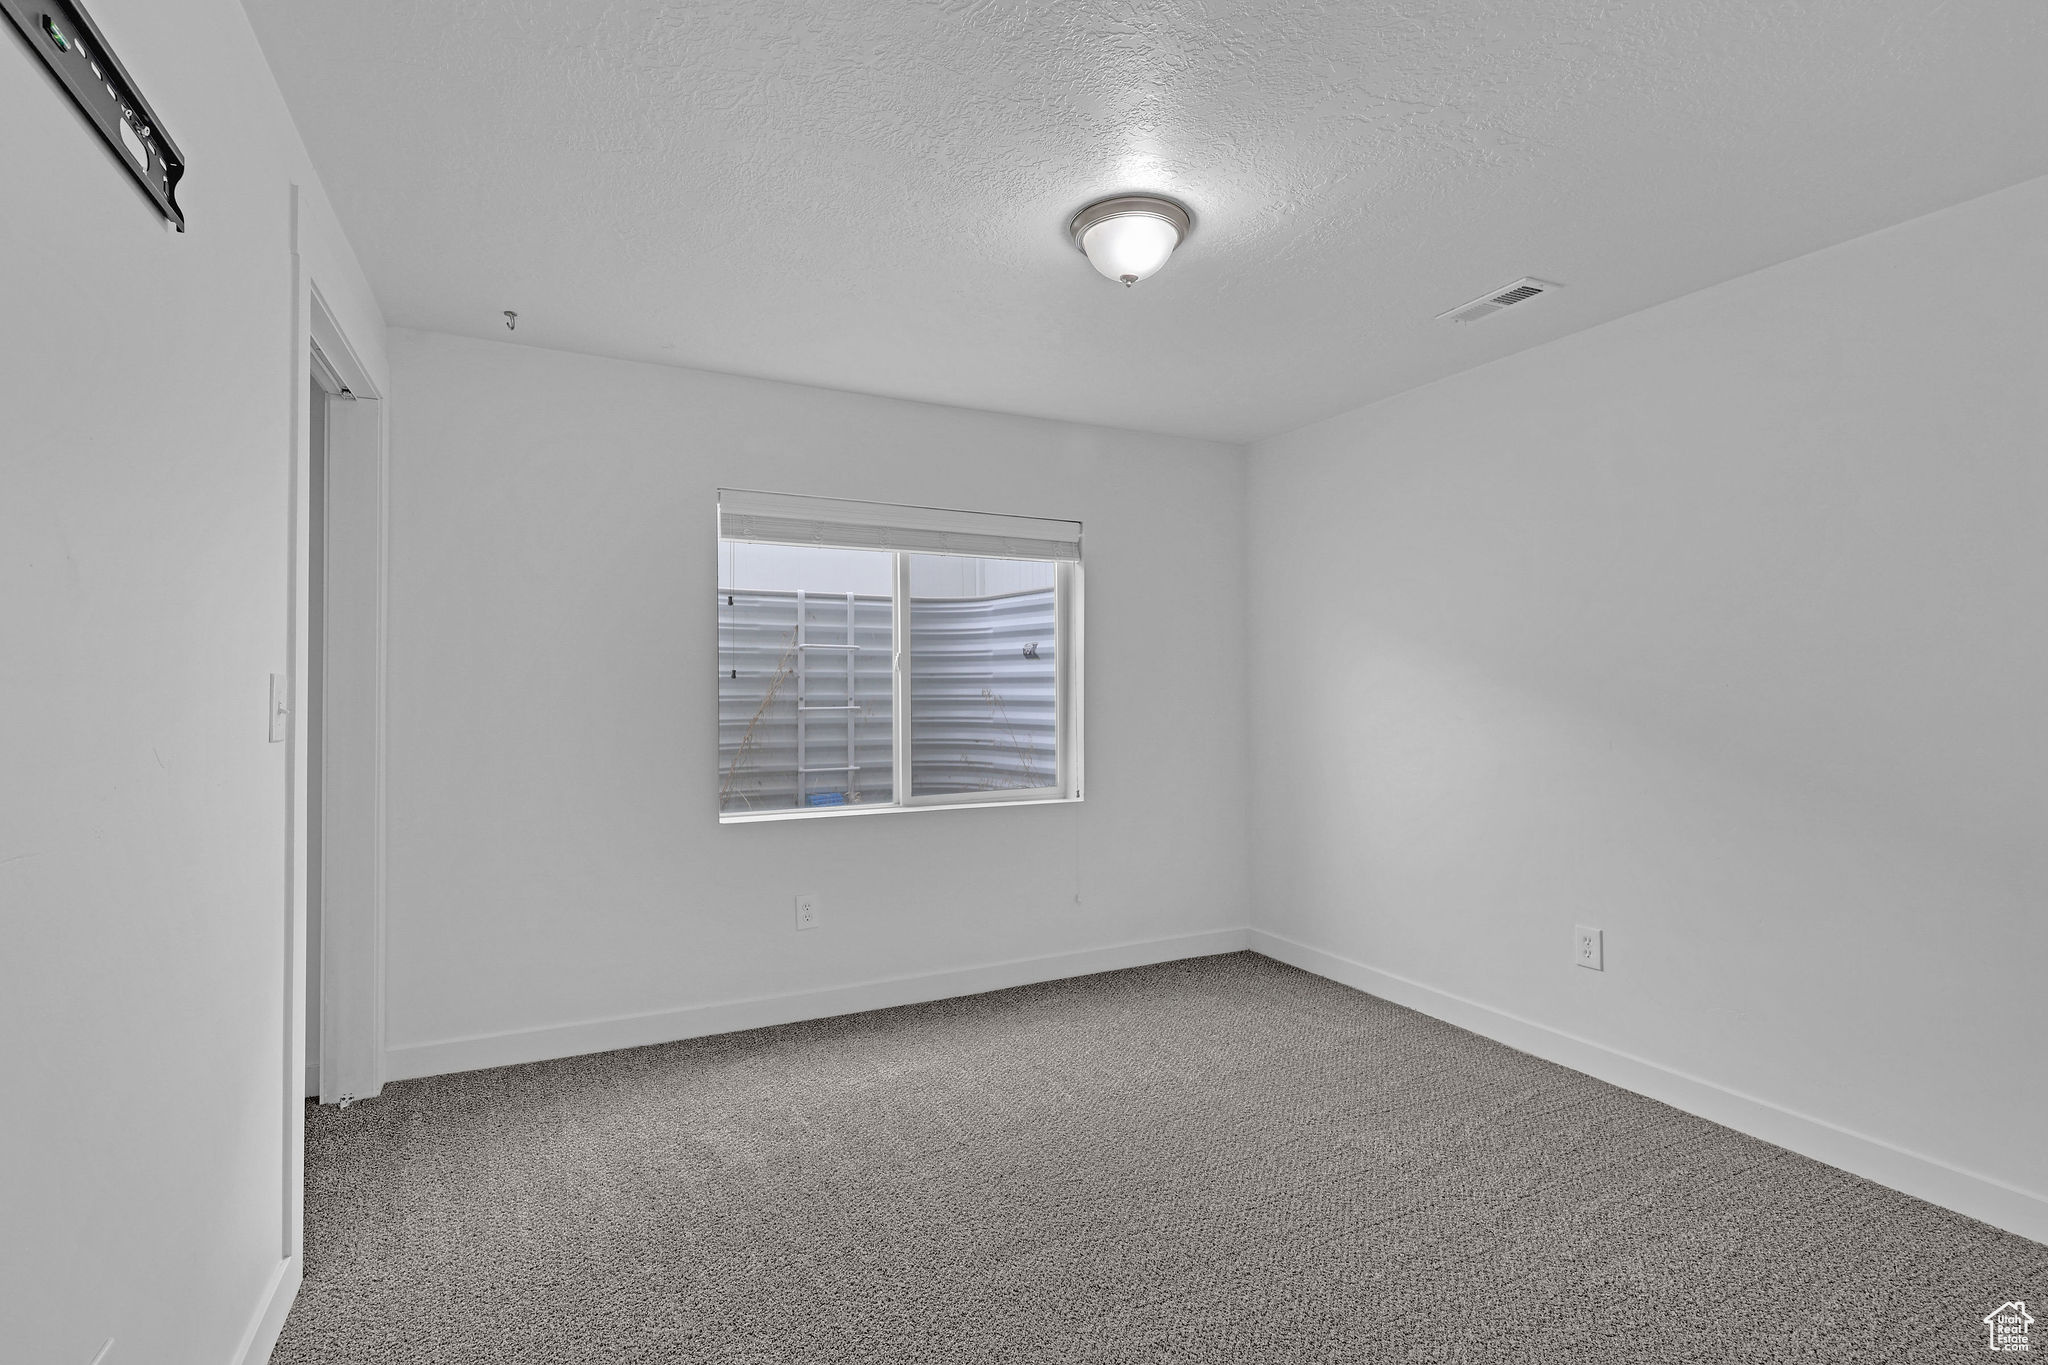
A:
353,842
351,768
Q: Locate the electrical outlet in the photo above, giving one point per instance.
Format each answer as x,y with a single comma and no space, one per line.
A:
1586,947
807,912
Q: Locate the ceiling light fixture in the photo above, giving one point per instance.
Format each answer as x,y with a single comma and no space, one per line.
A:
1129,237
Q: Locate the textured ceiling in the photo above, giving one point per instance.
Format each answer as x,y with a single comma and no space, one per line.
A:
873,196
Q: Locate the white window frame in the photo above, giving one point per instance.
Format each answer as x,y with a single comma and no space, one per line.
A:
1067,708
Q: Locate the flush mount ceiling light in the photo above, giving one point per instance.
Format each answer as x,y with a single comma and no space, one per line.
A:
1129,237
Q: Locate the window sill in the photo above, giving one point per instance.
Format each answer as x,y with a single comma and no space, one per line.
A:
841,812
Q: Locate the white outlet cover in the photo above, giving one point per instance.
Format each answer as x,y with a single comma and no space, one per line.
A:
807,912
1586,948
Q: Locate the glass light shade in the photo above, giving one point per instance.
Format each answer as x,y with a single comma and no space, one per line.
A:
1130,246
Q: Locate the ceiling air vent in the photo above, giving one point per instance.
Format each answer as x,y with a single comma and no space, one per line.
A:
1505,297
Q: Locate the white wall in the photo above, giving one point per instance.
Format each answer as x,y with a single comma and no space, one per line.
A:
1723,627
148,394
555,855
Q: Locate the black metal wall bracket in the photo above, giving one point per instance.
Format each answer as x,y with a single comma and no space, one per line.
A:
64,36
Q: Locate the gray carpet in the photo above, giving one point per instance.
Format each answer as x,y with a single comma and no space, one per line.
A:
1217,1160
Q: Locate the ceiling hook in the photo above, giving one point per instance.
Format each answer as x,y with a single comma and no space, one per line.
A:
511,321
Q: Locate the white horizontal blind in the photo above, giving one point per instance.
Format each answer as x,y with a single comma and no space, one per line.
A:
788,519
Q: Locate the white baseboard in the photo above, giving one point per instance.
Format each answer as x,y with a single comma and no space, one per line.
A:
260,1338
730,1016
1924,1177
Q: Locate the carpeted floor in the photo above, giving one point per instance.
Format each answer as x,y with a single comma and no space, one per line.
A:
1217,1160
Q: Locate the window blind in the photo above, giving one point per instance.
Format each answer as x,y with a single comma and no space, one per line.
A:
789,519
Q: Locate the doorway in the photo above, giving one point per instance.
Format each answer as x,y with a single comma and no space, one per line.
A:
343,723
332,705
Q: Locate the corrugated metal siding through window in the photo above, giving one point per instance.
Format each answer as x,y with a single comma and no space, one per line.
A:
984,706
983,680
847,754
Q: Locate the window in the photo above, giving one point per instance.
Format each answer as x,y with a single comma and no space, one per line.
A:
873,657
